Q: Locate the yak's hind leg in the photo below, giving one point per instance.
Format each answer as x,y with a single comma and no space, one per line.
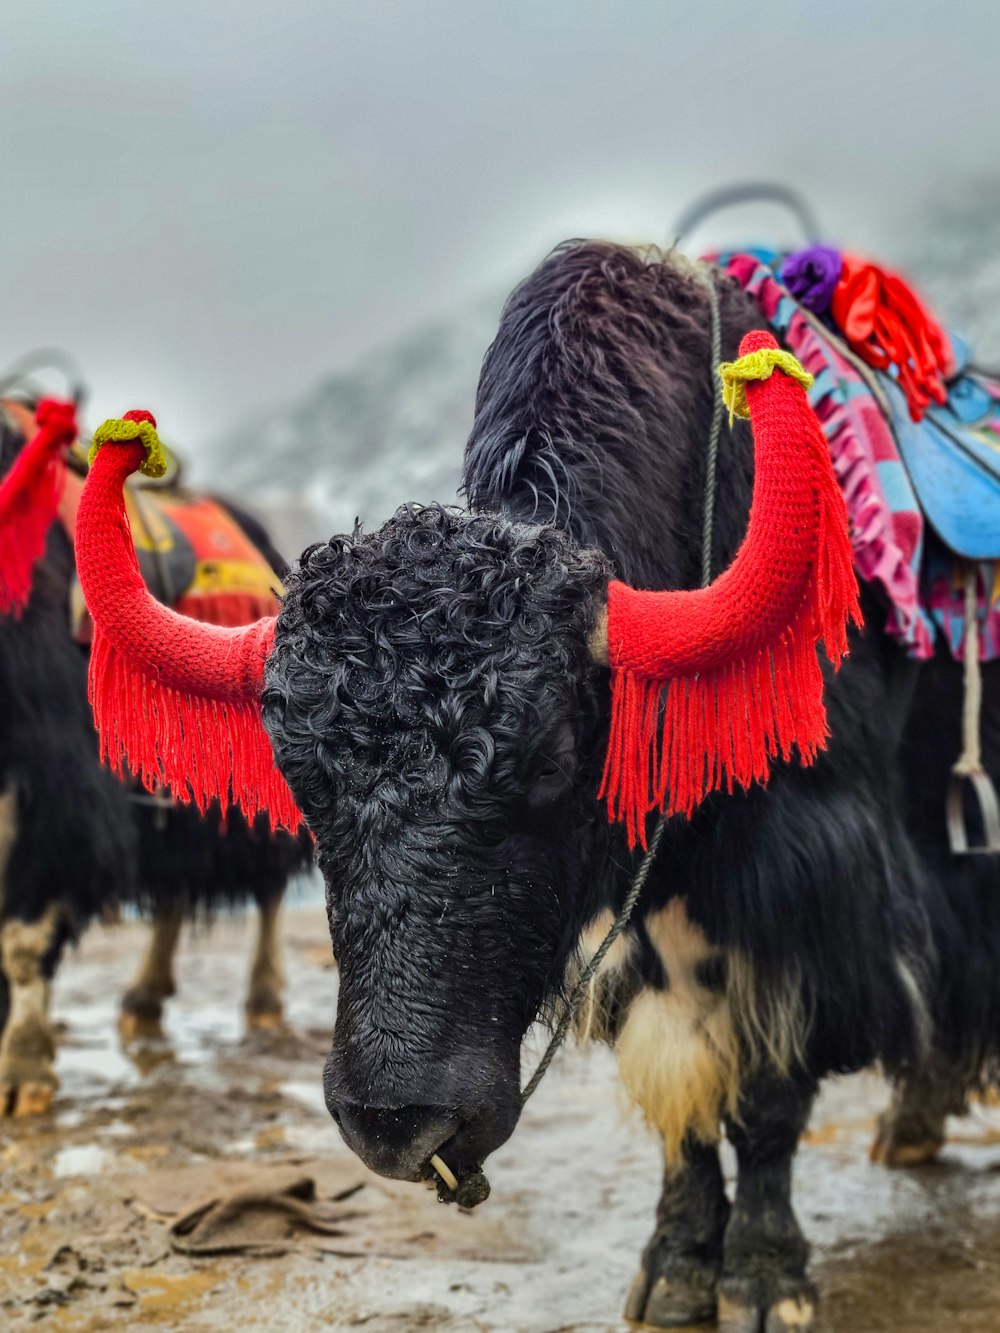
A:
27,1047
141,1016
264,1008
911,1131
28,955
763,1287
675,1286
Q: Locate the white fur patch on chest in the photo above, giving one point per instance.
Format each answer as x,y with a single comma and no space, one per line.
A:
678,1050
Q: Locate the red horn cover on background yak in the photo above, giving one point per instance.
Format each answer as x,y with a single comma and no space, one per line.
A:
179,700
175,700
29,499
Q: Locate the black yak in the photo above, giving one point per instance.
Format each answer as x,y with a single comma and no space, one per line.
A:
436,696
75,842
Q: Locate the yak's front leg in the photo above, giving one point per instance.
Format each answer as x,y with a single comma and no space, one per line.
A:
675,1286
264,1003
28,955
142,1004
764,1287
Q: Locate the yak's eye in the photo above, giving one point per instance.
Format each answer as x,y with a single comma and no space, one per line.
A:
554,767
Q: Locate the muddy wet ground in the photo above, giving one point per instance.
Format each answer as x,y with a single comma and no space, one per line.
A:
89,1194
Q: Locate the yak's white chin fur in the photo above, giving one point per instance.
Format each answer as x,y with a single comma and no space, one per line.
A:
684,1050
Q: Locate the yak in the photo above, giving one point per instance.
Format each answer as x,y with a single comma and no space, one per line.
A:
76,843
436,697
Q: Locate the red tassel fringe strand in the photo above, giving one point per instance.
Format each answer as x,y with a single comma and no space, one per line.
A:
710,686
176,701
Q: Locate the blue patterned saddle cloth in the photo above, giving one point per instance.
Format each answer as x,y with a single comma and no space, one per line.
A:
953,459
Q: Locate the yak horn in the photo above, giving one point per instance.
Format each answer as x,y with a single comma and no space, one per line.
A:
709,686
175,700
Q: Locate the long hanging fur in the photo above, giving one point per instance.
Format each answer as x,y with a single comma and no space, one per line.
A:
709,687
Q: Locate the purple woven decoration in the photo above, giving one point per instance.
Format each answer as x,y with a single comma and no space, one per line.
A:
811,275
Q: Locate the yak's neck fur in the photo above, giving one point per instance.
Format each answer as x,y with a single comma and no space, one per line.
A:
595,404
594,413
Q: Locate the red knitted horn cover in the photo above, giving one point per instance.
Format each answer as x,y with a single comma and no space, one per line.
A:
176,701
709,686
29,498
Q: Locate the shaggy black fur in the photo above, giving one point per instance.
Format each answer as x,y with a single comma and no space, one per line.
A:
432,704
82,842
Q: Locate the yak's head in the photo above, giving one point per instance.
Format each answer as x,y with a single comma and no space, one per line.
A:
433,697
433,705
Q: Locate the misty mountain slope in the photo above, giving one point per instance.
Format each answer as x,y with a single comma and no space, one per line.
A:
391,429
954,257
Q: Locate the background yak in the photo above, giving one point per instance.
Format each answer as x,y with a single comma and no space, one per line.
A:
75,842
436,703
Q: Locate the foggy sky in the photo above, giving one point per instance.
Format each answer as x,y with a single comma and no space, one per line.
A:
214,205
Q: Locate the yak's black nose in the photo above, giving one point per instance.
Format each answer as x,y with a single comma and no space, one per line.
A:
396,1141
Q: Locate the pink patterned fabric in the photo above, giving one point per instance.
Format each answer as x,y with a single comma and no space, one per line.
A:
887,527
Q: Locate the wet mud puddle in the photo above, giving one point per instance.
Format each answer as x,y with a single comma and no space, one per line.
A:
91,1196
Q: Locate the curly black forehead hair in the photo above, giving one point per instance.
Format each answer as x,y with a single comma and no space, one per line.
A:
411,664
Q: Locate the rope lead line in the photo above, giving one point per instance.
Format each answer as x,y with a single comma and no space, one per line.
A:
642,874
588,973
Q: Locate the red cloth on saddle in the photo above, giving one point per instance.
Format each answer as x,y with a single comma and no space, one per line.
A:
887,325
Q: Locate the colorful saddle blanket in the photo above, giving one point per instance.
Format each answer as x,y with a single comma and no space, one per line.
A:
193,555
921,496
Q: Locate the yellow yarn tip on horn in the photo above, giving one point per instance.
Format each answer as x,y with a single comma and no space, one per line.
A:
123,432
757,366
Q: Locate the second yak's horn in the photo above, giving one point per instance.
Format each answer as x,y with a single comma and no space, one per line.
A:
710,685
29,499
176,701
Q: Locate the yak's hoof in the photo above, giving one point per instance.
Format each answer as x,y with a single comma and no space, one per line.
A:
137,1027
895,1147
672,1291
745,1306
34,1099
263,1010
265,1020
141,1015
887,1150
26,1092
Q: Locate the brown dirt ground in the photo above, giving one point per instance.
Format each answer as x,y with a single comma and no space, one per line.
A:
87,1194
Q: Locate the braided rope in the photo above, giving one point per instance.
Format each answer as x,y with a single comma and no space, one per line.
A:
718,405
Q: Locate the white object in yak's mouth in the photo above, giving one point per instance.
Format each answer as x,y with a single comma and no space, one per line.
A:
445,1172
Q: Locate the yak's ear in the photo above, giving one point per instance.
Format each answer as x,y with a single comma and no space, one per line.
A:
737,661
29,499
175,700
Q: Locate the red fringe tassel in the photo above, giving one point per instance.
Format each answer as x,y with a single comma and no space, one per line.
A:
201,748
29,498
674,739
176,701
